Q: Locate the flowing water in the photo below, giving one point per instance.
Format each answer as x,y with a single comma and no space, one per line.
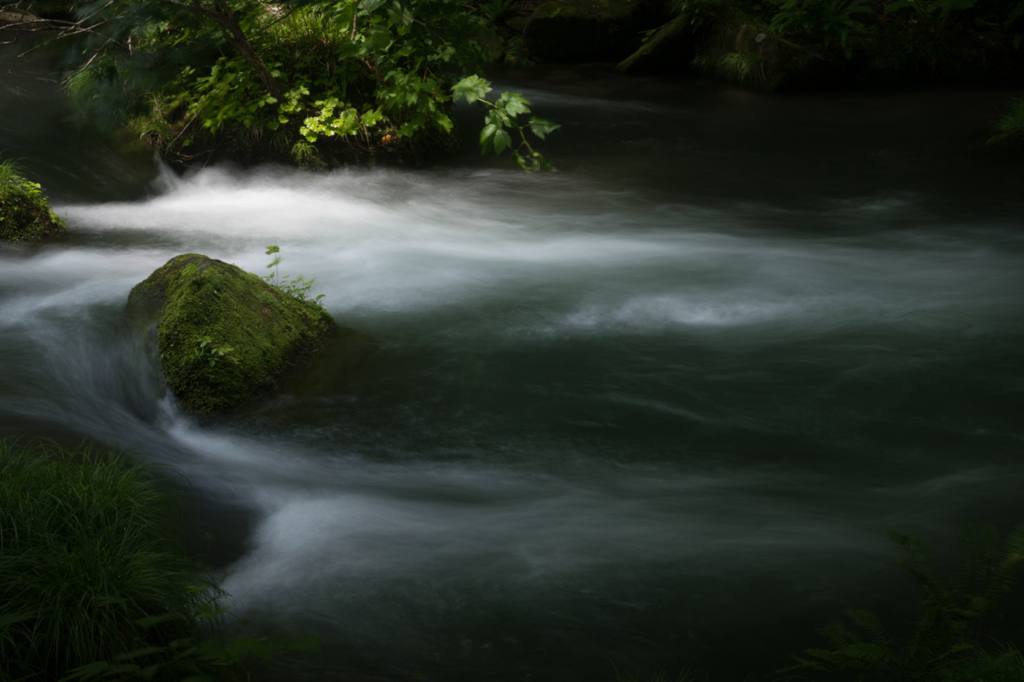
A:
656,410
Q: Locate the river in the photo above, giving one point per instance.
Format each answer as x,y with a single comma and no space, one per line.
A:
656,410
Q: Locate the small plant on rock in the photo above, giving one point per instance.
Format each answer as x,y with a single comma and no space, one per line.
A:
205,350
298,287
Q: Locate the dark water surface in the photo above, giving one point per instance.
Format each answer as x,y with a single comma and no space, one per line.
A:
658,409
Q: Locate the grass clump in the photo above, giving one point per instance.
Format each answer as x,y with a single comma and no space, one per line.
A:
25,214
95,583
88,548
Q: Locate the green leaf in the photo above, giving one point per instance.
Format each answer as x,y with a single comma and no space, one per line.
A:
487,137
502,141
371,117
443,122
415,122
471,88
397,14
541,127
513,103
343,15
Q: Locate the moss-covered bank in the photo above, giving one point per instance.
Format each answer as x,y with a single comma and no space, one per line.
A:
223,334
25,215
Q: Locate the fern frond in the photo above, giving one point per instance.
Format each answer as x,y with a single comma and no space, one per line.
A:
1015,13
868,623
920,565
944,646
866,655
838,635
1004,664
976,552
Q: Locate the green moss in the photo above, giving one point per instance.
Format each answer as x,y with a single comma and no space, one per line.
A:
223,334
25,214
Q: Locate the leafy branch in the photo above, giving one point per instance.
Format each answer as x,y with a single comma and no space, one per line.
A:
501,118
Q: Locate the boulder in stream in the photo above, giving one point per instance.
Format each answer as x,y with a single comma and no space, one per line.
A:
224,335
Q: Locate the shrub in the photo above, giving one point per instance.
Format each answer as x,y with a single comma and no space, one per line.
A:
311,82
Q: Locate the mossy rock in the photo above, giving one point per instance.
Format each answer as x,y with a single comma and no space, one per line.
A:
575,29
25,214
224,335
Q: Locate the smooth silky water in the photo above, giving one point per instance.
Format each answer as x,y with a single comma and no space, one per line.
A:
656,410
